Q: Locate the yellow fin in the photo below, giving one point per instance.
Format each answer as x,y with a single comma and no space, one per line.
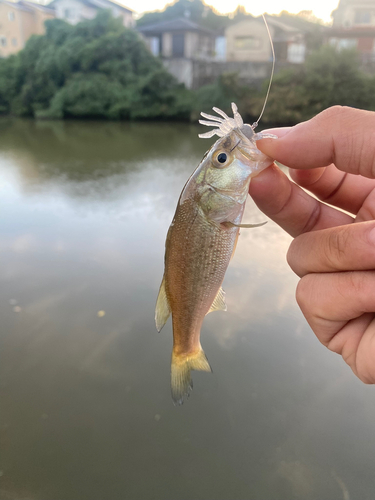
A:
219,302
162,309
181,383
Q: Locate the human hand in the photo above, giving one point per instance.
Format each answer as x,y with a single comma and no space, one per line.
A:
332,156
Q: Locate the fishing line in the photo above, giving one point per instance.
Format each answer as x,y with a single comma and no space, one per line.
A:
255,124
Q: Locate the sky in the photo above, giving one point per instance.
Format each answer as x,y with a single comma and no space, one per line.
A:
321,8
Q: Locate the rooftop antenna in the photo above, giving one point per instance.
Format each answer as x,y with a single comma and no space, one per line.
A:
255,124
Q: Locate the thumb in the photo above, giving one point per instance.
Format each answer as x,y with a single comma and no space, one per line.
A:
340,135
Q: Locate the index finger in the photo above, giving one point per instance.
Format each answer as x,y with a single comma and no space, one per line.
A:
290,206
340,135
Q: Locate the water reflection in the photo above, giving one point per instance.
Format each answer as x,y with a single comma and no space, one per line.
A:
86,411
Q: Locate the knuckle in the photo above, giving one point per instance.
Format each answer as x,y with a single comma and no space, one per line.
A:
370,160
337,244
313,218
295,255
291,255
356,283
303,292
335,113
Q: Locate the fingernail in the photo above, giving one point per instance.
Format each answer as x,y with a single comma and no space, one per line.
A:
279,132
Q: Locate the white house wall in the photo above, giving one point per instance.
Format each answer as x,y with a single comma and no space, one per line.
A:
191,44
167,44
346,13
79,11
88,12
247,29
74,8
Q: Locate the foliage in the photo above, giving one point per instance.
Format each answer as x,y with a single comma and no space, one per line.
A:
99,69
327,78
225,90
298,93
95,69
197,11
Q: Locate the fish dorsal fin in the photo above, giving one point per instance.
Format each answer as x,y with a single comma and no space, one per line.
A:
162,309
219,303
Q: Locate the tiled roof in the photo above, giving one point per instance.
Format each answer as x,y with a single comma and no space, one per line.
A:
179,24
26,6
98,4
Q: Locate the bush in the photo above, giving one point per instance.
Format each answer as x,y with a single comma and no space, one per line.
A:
328,78
95,69
99,69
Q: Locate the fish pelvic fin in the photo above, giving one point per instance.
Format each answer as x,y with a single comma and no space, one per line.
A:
162,309
181,383
248,226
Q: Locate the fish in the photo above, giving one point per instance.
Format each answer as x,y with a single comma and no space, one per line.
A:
202,238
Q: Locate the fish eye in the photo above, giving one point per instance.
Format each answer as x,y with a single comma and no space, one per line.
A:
222,157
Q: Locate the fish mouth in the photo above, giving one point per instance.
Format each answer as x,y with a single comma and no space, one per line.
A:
250,151
258,160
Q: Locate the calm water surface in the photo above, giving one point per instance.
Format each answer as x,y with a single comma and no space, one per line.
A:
86,412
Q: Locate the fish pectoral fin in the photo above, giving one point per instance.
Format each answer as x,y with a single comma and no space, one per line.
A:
232,224
219,302
162,309
181,383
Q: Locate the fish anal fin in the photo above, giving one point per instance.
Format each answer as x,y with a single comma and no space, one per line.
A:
219,302
162,309
181,383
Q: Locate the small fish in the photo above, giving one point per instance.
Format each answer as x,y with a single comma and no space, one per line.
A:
202,238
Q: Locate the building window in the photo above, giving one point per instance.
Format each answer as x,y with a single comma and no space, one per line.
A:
155,45
14,42
178,45
343,43
220,48
362,17
3,41
247,43
11,16
69,13
296,53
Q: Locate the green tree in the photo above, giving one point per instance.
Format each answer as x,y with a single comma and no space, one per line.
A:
327,78
97,68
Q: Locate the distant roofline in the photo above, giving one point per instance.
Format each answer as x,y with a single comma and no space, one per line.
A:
169,25
37,6
27,6
92,2
276,23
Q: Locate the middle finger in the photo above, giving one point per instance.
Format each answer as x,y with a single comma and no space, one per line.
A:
290,206
343,190
343,248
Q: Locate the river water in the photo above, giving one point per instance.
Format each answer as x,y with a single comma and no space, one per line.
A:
86,412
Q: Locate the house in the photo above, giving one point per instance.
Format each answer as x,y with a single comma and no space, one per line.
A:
178,38
354,14
74,11
248,40
179,42
354,27
18,21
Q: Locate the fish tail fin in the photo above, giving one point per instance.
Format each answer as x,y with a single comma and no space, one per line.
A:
181,383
